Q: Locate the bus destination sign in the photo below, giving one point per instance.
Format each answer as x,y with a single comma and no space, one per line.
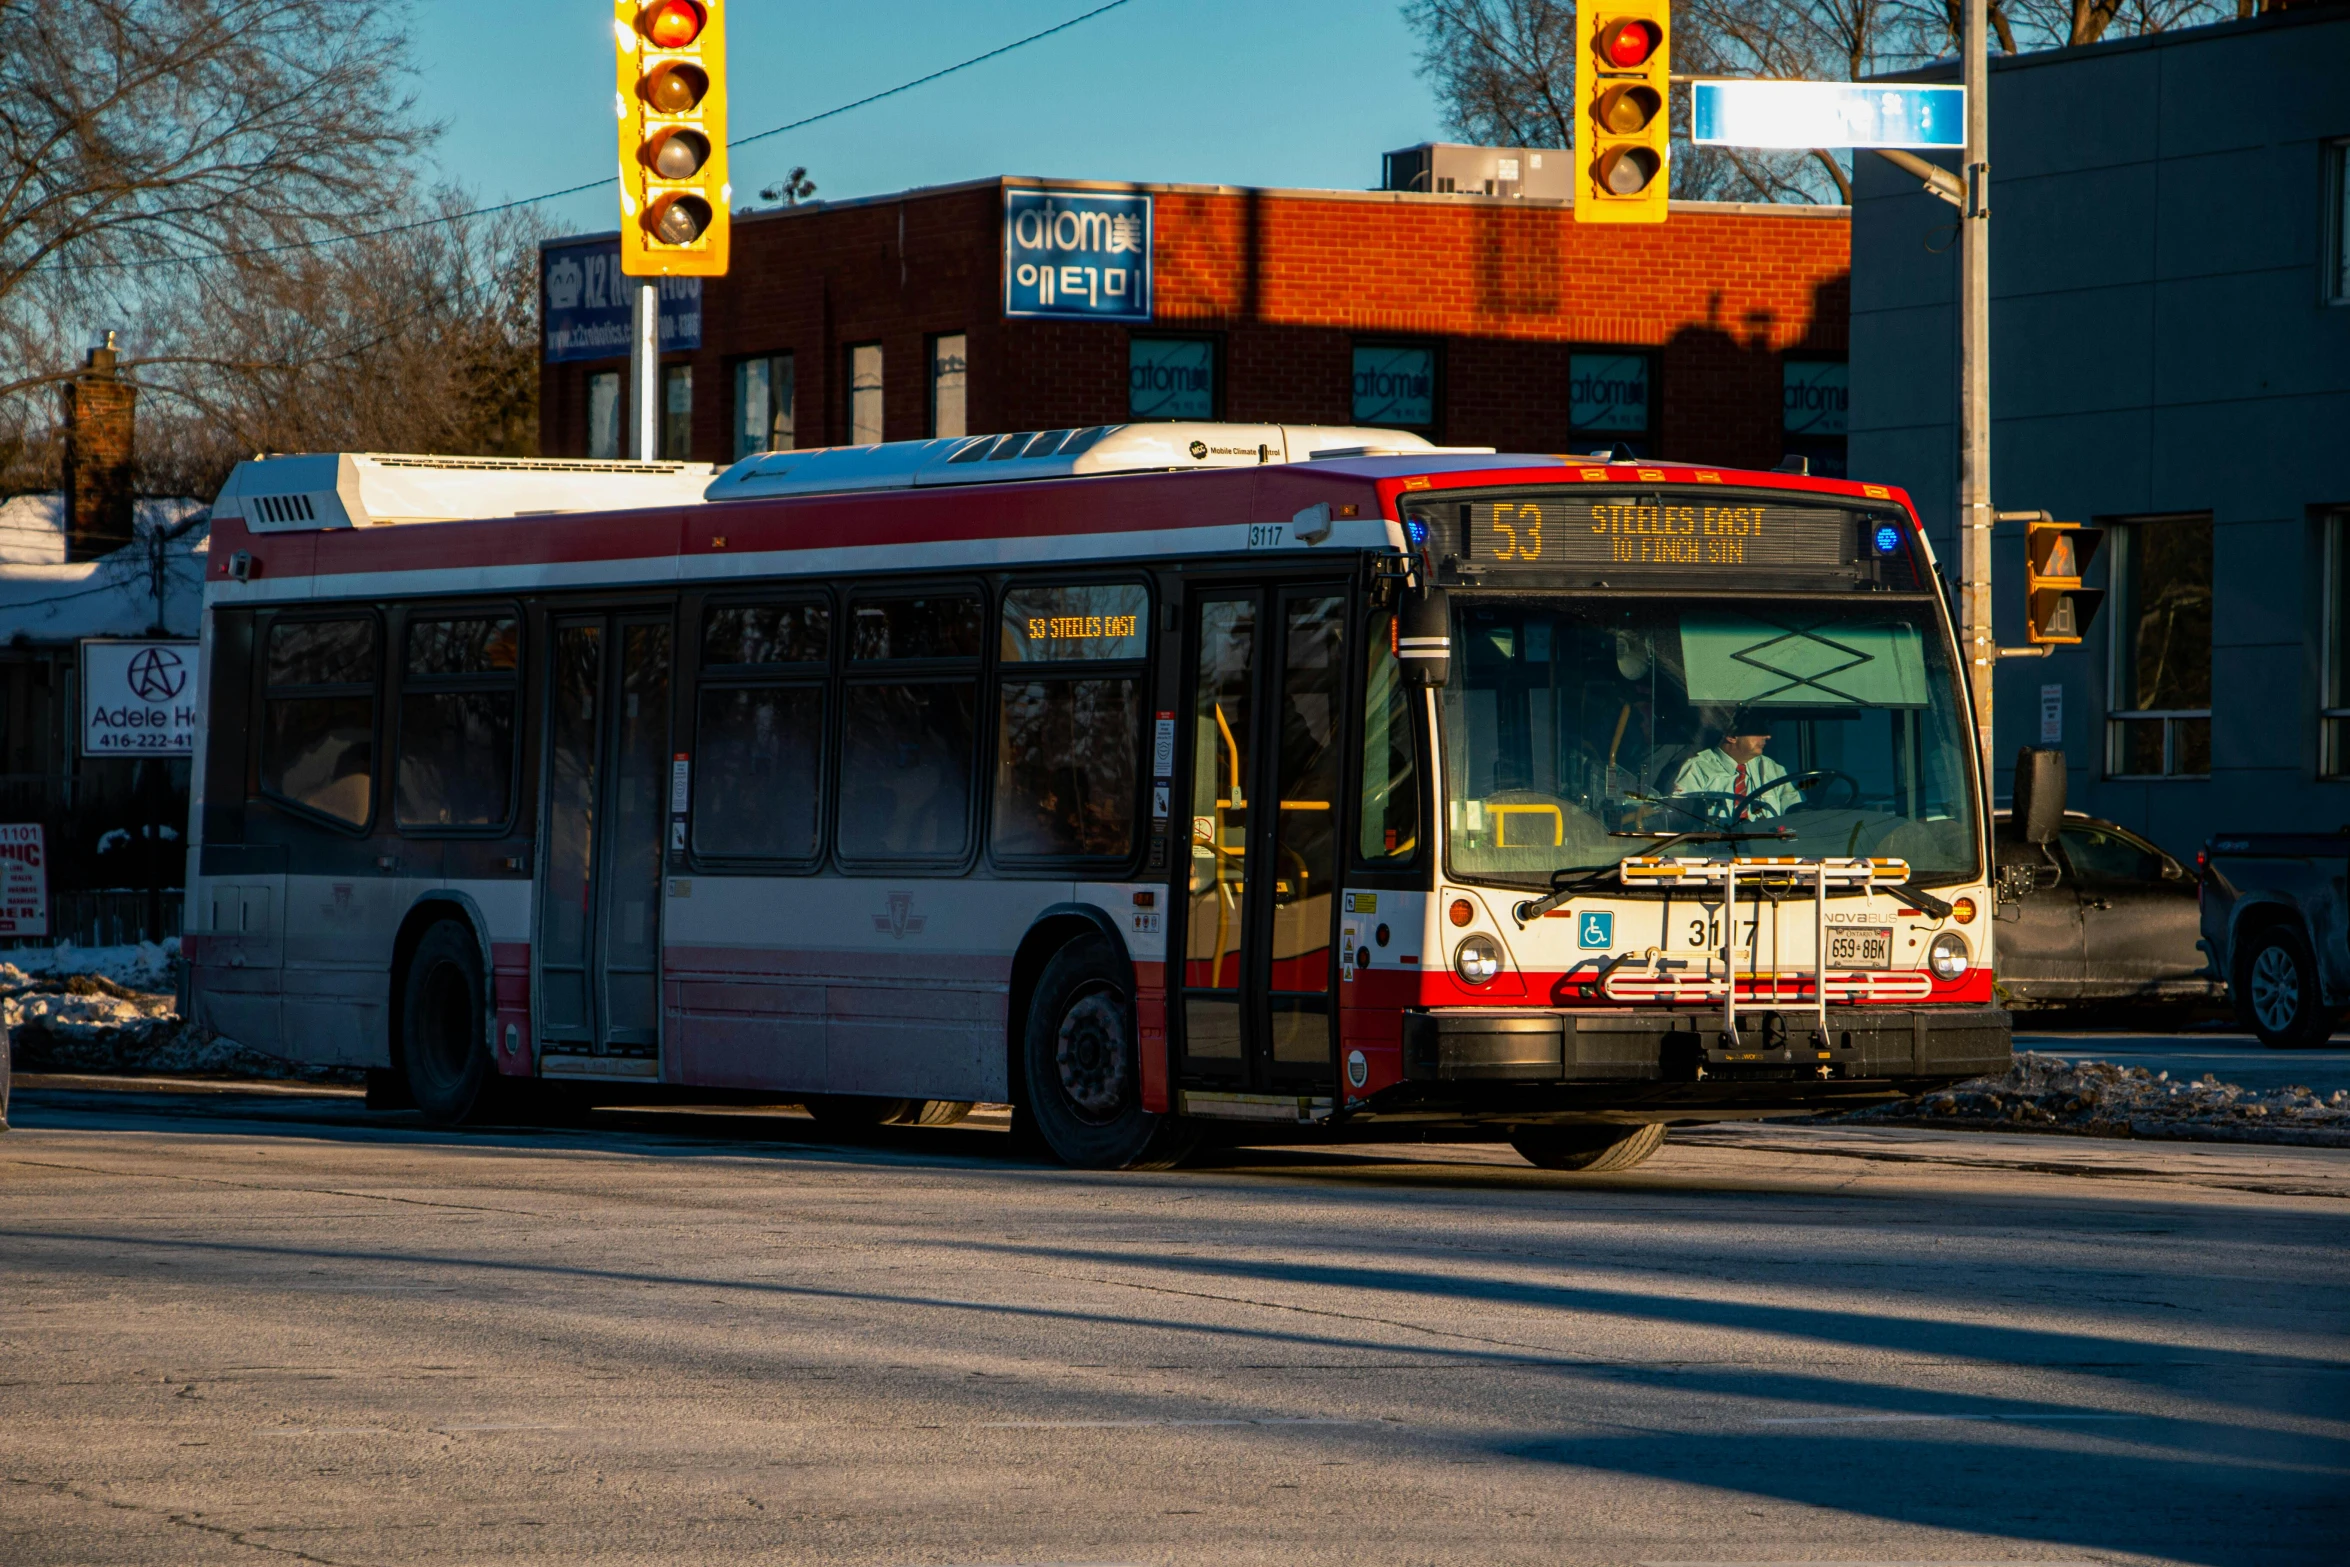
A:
1698,534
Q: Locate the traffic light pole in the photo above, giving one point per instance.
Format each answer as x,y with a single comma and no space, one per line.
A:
644,370
1975,513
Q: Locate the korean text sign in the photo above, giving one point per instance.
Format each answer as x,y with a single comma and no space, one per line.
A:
139,699
1076,255
24,881
586,302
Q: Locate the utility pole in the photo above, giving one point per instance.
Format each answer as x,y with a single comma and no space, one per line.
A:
1975,514
644,371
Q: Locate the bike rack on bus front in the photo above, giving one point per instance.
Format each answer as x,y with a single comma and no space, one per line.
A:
1655,984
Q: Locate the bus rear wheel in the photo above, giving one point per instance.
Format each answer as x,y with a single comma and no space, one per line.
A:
849,1112
1081,1071
442,1041
1591,1149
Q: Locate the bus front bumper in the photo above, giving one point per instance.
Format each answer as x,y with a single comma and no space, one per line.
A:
1908,1049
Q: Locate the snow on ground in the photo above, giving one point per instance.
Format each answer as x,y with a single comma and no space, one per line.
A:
145,966
2046,1093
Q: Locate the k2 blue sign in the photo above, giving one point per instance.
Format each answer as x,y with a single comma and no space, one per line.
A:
1595,928
1073,255
584,302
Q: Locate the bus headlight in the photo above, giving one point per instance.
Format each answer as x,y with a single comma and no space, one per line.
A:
1948,957
1476,960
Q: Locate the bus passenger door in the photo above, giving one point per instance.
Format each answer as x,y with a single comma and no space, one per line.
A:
597,942
1267,706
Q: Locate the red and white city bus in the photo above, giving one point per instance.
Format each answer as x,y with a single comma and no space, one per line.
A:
1152,779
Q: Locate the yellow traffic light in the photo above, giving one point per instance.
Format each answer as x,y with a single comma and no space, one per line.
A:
2056,556
674,197
1625,127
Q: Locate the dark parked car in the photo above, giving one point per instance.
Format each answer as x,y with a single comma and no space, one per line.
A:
2108,917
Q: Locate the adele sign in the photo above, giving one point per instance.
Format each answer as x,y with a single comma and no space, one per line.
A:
1071,255
139,698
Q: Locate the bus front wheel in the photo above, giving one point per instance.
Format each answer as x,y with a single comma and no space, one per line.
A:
1083,1074
441,1037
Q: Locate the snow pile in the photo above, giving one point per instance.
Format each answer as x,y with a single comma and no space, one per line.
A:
113,1009
2048,1093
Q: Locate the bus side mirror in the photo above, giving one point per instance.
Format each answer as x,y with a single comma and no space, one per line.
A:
2038,799
1423,637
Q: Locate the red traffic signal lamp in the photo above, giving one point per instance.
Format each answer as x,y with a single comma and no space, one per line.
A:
675,202
2057,609
1624,128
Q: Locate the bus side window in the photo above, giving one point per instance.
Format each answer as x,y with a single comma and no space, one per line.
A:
759,734
457,698
1069,720
909,727
318,717
1391,776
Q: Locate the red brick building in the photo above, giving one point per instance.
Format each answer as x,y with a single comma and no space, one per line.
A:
1719,336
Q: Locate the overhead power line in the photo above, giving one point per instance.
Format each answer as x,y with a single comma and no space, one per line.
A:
573,190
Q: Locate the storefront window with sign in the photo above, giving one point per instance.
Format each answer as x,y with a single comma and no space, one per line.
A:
1610,398
1816,396
1171,378
1395,384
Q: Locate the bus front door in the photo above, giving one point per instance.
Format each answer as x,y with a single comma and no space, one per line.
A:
597,942
1267,705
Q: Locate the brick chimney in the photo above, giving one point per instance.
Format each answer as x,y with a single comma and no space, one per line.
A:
98,408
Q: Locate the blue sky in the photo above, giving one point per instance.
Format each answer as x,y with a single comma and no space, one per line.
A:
1242,92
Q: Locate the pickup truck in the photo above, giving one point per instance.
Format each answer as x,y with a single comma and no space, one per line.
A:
2274,922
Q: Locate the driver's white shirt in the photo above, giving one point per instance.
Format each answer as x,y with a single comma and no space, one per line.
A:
1714,772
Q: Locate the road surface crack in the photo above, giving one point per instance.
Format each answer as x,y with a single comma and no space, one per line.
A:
257,1186
178,1520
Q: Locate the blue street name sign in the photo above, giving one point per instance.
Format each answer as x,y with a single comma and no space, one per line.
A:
586,304
1077,255
1826,114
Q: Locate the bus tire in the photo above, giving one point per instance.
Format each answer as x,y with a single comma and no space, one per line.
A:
933,1112
1083,1074
2278,991
442,1048
1590,1149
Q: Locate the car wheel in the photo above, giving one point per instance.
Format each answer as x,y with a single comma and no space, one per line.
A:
1083,1074
1593,1150
442,1042
2281,997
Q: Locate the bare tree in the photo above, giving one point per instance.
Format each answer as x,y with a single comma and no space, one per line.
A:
137,133
1504,69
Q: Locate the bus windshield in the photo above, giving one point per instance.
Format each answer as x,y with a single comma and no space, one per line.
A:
1577,732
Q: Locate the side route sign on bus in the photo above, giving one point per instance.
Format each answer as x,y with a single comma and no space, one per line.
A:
139,698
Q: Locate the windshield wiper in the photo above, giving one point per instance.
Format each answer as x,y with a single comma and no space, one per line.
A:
1561,892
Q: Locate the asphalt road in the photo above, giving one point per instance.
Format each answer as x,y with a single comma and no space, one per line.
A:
2231,1057
241,1327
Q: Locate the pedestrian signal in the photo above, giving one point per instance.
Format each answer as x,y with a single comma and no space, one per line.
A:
2057,608
671,99
1624,129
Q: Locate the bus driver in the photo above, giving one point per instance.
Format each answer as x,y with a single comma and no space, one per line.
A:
1732,780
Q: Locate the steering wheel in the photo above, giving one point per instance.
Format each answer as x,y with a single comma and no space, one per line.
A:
1797,781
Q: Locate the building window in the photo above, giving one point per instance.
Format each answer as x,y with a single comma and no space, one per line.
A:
949,368
1611,398
865,394
1395,384
1814,397
677,412
763,405
607,417
1171,378
2159,718
2337,202
2334,715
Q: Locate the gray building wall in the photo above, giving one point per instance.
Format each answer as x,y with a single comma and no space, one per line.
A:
2160,343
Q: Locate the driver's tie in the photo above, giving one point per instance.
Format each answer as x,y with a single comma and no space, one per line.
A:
1738,793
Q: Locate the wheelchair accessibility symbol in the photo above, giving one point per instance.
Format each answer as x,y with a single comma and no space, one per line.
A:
1595,928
